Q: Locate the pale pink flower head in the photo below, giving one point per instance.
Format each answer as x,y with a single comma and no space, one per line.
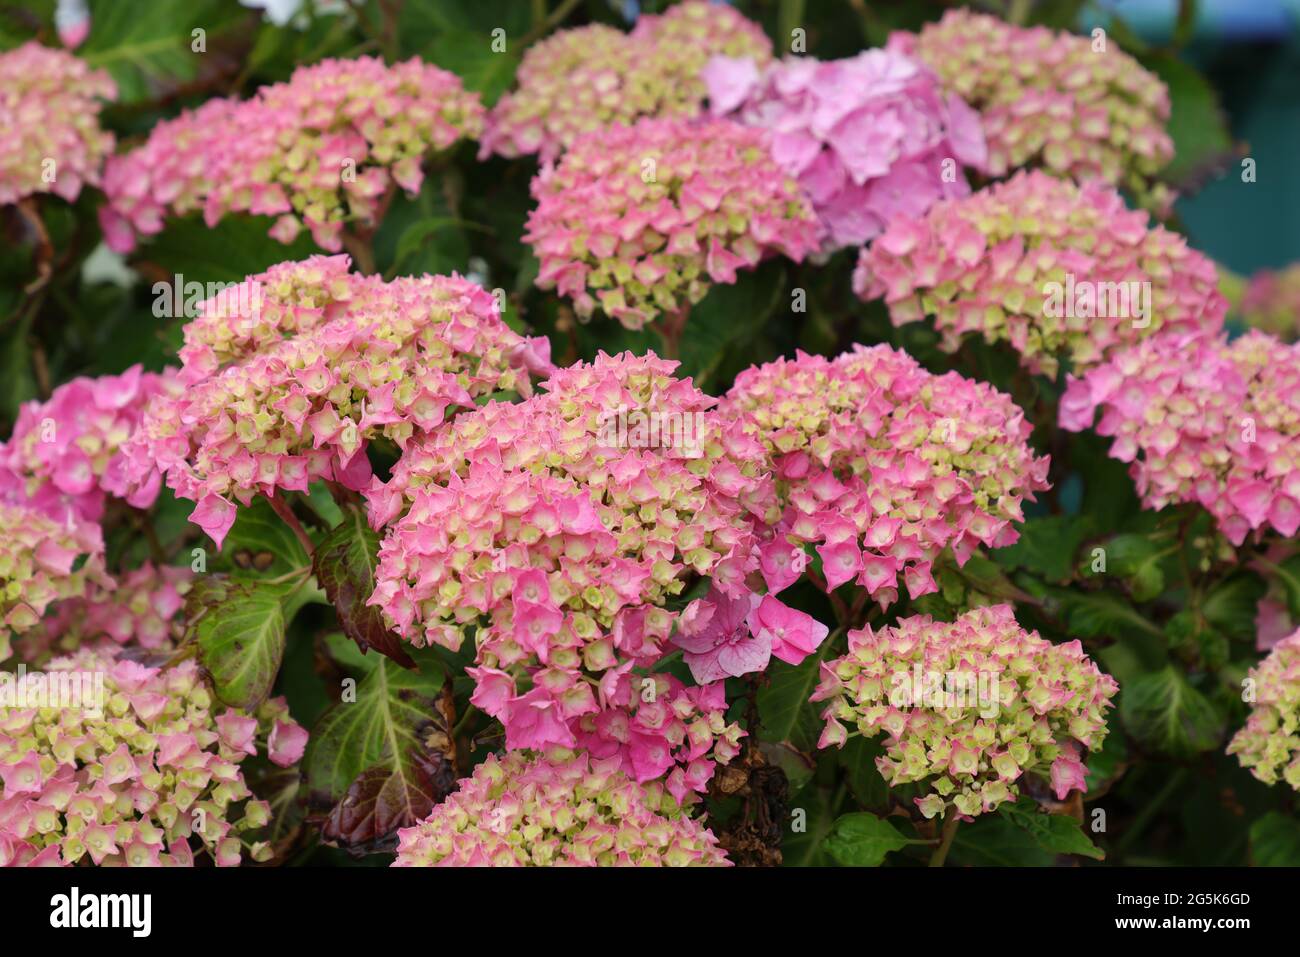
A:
558,809
119,784
882,465
1271,301
968,707
582,80
1053,100
1059,272
65,454
641,220
292,388
868,138
49,109
1203,420
1267,744
324,147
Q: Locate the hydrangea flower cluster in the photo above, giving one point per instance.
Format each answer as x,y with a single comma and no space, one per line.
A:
557,531
581,80
969,707
49,109
65,454
318,151
1269,744
868,138
1272,301
1056,270
640,220
1203,420
143,610
292,390
558,809
43,561
885,465
131,779
1049,98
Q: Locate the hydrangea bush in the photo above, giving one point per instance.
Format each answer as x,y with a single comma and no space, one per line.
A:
916,497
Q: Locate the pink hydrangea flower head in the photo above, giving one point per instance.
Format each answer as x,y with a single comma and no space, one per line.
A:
149,773
1056,270
143,610
1051,99
1271,301
968,707
49,109
581,80
558,809
65,455
323,148
1203,420
558,530
640,220
292,389
884,465
43,561
868,138
1268,744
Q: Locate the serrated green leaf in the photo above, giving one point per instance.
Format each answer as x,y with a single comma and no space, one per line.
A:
862,840
261,543
1231,605
1163,712
1275,841
1136,558
784,710
1047,546
239,625
1056,833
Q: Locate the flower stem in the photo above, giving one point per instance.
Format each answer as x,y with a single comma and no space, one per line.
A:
945,839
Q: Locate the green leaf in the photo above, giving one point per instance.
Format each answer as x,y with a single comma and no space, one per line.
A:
992,840
862,840
234,249
729,318
858,758
260,542
345,563
151,53
1103,614
1275,841
1163,712
783,706
1288,574
1136,559
1197,125
394,725
239,627
1056,833
804,848
470,56
1231,605
1047,546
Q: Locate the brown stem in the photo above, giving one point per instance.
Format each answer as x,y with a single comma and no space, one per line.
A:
44,247
358,247
945,839
281,508
670,327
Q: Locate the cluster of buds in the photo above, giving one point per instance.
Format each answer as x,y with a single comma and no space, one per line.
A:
143,610
65,454
640,220
1076,108
885,465
969,707
1203,420
136,767
49,109
1271,301
293,389
1269,744
558,530
557,809
43,561
321,150
868,138
579,81
1056,270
